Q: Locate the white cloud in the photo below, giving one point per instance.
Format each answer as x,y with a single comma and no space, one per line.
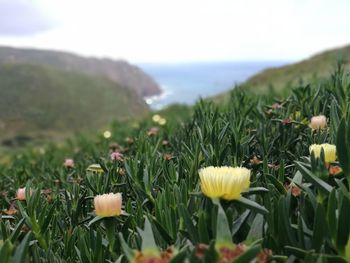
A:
161,30
22,18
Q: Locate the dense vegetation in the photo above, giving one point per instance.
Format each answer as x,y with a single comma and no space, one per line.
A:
297,208
37,99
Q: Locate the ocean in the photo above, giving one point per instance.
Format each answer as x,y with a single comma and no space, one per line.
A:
185,83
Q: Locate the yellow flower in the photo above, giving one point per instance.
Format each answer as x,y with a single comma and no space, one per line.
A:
330,151
297,115
159,119
318,122
95,168
107,134
108,205
156,118
224,182
162,121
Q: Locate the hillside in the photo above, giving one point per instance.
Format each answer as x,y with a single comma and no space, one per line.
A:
36,98
317,67
117,70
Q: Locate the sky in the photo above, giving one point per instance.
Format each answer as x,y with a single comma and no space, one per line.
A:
178,30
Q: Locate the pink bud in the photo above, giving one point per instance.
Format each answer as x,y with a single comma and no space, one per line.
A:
116,156
69,163
318,122
21,194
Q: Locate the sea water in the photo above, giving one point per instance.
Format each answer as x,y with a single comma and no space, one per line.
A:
187,82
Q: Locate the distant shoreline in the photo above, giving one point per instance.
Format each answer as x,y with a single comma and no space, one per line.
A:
186,83
164,92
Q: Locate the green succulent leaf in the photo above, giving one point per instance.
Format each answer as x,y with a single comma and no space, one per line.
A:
323,186
252,205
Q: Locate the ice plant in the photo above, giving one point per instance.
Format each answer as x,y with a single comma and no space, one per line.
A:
152,257
108,205
116,156
42,151
318,122
167,156
228,252
21,194
255,161
162,121
330,152
276,106
286,121
334,170
107,134
295,190
156,117
224,182
153,131
159,119
68,163
95,168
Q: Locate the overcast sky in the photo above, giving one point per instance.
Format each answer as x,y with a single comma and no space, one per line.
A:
178,30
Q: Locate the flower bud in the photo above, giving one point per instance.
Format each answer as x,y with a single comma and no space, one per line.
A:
116,156
21,194
68,163
318,122
108,205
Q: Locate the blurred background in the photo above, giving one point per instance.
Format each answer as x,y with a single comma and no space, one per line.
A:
74,66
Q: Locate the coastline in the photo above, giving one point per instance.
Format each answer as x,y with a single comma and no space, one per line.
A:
186,83
152,100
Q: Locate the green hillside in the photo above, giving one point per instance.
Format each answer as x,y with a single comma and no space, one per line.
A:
36,98
129,76
317,67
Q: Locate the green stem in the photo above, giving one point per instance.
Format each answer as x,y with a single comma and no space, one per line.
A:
110,225
223,232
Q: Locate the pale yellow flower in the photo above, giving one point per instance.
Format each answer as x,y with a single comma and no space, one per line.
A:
42,151
330,151
107,134
162,121
108,205
95,168
159,119
318,122
156,117
224,182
